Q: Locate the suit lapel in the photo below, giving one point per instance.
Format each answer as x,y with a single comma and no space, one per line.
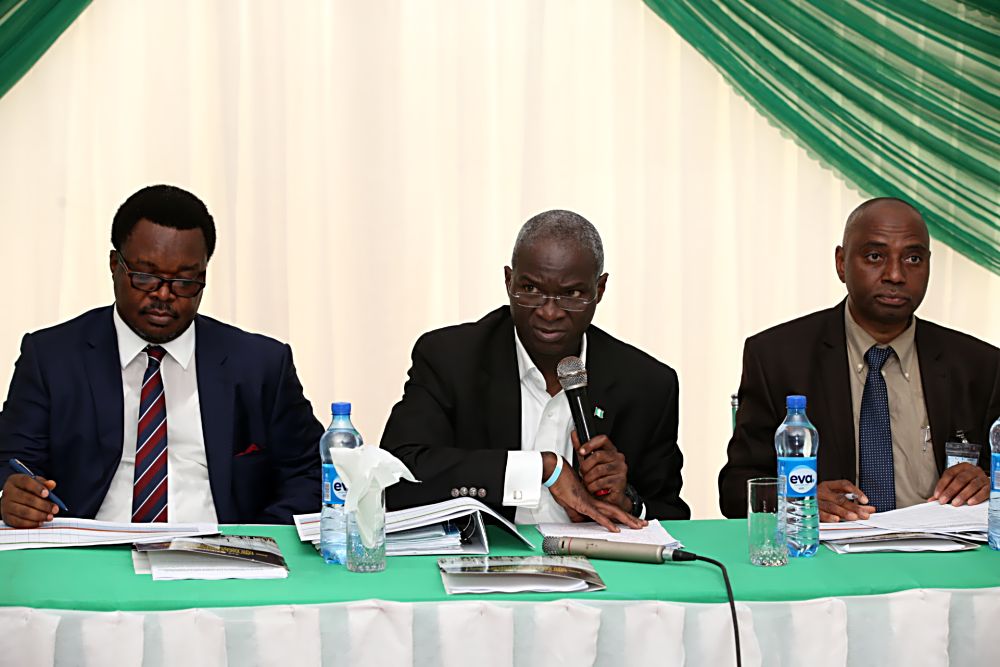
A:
105,376
601,378
216,396
934,376
835,385
501,385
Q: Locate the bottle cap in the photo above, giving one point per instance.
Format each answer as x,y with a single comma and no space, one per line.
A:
340,409
795,402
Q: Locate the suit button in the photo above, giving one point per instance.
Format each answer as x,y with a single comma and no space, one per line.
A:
482,493
454,493
472,492
464,491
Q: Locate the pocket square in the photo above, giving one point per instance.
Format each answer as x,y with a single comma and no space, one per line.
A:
249,450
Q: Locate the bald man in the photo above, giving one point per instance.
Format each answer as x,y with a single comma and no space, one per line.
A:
885,389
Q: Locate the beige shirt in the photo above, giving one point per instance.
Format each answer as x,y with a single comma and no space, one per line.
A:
912,451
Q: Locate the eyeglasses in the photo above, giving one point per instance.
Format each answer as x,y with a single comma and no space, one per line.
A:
573,304
147,282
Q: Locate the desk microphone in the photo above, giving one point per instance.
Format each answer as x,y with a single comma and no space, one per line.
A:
607,550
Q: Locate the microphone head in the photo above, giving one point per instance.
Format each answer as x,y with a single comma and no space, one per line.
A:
572,373
550,545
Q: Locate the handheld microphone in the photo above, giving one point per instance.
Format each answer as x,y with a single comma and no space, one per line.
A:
572,376
607,550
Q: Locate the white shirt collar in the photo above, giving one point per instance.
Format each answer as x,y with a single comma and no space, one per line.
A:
130,344
525,365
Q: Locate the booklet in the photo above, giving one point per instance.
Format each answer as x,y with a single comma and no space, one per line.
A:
453,526
518,574
216,557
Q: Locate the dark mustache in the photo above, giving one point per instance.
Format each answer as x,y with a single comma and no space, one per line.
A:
158,307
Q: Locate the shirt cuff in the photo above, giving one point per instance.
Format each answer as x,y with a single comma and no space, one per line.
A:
642,515
521,486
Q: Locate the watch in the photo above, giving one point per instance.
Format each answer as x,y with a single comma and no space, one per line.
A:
633,495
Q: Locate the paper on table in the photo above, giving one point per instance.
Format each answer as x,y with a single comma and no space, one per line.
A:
931,517
88,532
653,533
899,546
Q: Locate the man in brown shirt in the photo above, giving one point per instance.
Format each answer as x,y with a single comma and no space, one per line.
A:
937,381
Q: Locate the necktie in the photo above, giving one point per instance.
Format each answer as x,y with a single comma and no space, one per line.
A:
877,478
149,491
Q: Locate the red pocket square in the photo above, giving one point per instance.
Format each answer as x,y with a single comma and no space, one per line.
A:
249,450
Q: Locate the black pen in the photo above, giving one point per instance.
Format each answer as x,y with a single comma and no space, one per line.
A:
17,466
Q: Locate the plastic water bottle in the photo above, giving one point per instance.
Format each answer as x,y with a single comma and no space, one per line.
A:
332,526
994,529
797,442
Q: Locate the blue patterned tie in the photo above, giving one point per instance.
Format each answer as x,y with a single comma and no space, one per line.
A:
149,490
875,435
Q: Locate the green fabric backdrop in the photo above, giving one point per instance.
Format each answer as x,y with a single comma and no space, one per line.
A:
27,29
900,98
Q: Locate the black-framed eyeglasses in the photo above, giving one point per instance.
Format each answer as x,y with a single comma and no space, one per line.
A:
573,304
148,282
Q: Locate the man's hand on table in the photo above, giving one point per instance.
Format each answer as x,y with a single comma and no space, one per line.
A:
573,496
962,484
835,505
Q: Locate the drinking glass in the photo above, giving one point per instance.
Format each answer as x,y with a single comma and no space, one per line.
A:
766,530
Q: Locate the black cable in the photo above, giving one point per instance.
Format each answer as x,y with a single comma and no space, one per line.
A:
732,603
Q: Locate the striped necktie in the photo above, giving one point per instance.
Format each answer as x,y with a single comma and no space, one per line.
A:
877,475
149,491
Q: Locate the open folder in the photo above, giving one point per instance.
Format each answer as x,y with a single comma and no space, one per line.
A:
453,526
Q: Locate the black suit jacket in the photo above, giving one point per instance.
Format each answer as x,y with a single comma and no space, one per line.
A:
64,418
960,376
461,413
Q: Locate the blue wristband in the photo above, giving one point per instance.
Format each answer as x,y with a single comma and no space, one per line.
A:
555,473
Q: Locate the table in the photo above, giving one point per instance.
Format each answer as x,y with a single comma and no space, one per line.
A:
86,605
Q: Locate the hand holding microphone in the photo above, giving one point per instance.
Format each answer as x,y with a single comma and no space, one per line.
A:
602,467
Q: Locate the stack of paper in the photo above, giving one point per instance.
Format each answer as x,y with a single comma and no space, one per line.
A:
87,532
450,527
653,533
217,557
925,527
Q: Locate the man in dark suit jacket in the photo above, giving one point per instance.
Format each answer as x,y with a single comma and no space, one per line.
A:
241,439
483,397
884,261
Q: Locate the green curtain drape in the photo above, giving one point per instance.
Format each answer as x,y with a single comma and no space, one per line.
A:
27,29
901,98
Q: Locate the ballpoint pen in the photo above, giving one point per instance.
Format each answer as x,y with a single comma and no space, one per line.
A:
17,466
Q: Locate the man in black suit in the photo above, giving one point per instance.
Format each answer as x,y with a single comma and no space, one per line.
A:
483,413
934,381
147,411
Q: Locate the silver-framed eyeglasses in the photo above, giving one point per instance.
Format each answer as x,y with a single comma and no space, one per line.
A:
573,304
148,282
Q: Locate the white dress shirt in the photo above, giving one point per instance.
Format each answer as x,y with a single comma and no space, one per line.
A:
546,424
189,494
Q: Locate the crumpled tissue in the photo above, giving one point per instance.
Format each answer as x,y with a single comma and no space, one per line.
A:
367,471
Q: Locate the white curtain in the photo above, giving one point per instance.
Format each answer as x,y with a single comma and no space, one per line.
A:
369,163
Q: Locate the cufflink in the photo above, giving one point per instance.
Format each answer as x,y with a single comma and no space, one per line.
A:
454,493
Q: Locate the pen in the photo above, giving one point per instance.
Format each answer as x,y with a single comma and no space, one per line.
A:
17,466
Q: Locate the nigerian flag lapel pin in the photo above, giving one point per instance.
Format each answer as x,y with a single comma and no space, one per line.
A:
599,413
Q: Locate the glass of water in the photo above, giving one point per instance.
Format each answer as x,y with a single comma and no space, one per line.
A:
366,535
766,530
